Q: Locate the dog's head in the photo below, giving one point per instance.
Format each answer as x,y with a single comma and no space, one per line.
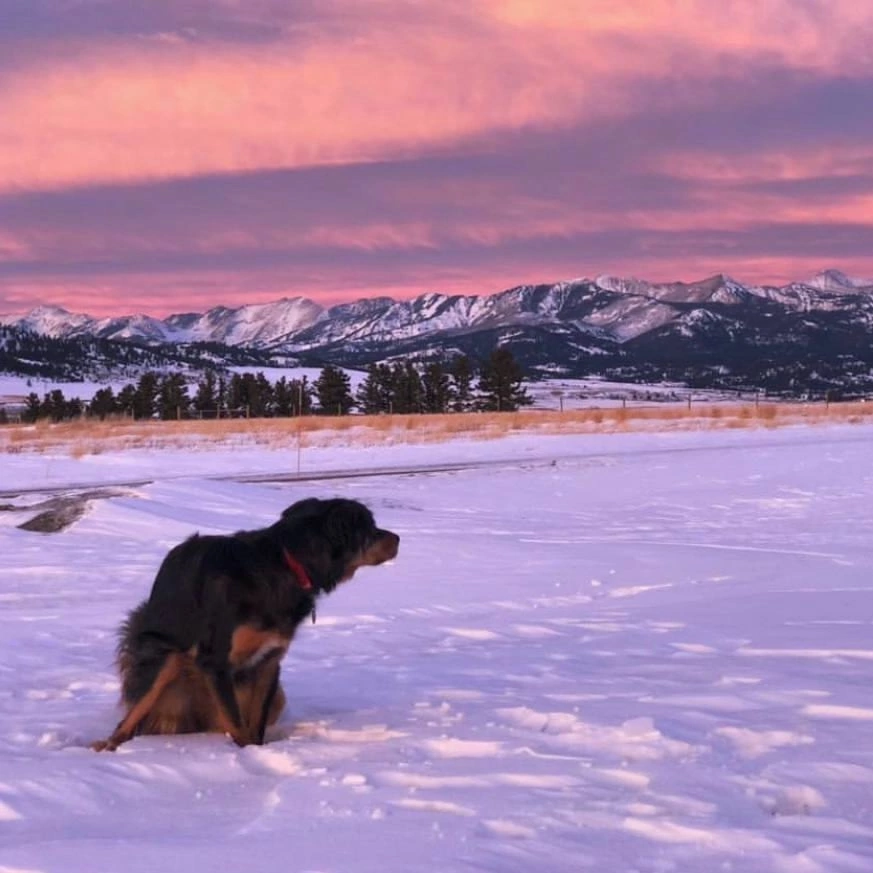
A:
335,537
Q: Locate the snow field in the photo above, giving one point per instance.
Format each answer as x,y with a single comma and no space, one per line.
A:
652,656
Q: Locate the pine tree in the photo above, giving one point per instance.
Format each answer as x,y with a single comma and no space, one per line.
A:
146,395
103,403
301,396
333,389
173,397
236,395
221,395
54,405
370,396
407,395
461,371
500,388
437,388
283,398
126,400
32,408
385,387
205,400
261,400
74,408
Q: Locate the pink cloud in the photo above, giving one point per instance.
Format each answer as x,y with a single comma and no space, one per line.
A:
154,108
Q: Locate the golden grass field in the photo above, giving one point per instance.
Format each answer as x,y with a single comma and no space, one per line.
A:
90,436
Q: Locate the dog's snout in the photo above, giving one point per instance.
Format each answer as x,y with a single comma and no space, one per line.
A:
384,548
391,543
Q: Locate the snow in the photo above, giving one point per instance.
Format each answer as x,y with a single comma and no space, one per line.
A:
650,655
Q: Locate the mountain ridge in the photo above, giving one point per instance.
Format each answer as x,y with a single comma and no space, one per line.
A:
266,325
813,332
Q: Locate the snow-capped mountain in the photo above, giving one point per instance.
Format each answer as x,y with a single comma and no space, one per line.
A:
573,327
836,282
255,325
621,308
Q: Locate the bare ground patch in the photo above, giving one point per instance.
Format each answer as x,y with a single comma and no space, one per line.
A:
58,512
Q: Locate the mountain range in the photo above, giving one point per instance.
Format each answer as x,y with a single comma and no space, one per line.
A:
809,335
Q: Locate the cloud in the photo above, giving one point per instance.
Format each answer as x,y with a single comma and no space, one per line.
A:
399,79
339,148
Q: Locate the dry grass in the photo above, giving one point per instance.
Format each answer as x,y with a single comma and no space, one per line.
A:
87,436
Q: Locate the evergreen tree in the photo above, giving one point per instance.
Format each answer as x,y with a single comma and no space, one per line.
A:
437,388
103,403
333,390
370,397
54,405
221,396
301,396
251,394
500,383
407,395
283,398
261,400
385,387
32,408
461,371
206,399
146,395
236,395
74,408
126,400
173,397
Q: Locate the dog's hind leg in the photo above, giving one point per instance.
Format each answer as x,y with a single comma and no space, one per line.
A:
126,728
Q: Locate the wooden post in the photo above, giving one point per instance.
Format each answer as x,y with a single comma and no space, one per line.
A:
299,423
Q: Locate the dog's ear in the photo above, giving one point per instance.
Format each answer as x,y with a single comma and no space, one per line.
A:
302,509
348,525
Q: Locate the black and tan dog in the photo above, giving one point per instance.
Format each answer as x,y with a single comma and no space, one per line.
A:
203,652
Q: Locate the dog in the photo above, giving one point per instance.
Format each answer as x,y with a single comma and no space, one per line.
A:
203,652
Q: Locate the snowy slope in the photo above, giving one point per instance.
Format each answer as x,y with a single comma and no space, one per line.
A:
652,656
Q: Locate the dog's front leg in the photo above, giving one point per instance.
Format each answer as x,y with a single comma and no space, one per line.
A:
267,704
223,695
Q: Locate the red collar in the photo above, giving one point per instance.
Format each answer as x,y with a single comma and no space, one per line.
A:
298,570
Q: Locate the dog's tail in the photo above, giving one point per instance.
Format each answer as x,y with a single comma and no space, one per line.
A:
126,653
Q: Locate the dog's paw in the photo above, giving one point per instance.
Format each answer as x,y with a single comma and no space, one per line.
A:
109,745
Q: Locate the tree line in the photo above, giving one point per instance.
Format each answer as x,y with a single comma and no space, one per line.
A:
401,387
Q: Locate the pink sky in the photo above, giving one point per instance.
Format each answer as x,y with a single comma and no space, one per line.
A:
171,155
